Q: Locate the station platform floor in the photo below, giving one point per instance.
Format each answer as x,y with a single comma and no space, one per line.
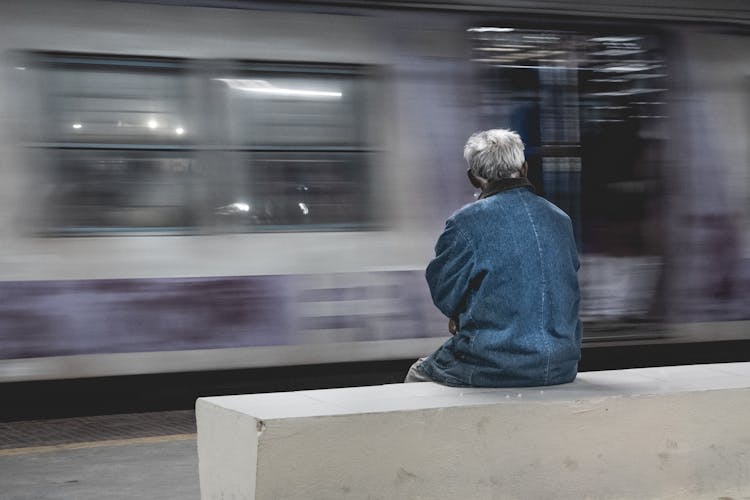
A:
133,456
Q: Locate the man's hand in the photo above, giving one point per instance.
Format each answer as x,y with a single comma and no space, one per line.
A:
453,326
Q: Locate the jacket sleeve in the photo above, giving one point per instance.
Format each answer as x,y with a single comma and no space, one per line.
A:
449,273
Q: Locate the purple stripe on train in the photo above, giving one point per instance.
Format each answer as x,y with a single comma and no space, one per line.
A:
53,318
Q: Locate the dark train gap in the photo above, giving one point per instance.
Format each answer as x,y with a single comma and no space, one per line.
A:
178,391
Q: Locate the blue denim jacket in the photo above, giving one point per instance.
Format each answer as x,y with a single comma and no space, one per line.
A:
506,268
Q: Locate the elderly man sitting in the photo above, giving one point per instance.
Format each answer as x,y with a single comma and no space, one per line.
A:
504,273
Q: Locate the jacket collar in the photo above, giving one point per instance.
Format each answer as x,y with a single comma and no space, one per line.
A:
501,185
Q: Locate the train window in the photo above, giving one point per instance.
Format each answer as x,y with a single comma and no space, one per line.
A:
590,108
95,190
298,156
291,106
113,139
115,101
277,147
295,190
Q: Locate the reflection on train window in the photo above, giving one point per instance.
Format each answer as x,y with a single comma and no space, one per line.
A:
298,159
114,190
589,107
286,109
114,134
298,190
277,147
99,100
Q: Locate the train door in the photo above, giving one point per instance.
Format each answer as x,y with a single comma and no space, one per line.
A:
589,105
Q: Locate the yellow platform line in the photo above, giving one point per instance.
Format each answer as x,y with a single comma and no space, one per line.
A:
30,450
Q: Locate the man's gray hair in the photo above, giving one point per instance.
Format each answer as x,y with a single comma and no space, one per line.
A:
495,154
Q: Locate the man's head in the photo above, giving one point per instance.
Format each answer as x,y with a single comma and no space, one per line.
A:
495,154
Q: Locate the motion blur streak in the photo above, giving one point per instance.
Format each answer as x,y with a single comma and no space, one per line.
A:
194,188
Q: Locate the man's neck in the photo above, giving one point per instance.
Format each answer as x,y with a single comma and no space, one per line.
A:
500,185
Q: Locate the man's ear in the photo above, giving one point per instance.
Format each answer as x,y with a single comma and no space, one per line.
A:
524,169
474,179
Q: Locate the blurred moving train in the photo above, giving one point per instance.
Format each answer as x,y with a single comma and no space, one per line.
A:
239,184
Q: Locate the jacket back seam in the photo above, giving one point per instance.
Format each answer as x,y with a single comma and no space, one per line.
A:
544,288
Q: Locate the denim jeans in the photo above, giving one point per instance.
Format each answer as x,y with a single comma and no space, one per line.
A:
416,374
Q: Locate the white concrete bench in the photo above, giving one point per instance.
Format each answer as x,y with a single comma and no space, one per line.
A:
675,432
